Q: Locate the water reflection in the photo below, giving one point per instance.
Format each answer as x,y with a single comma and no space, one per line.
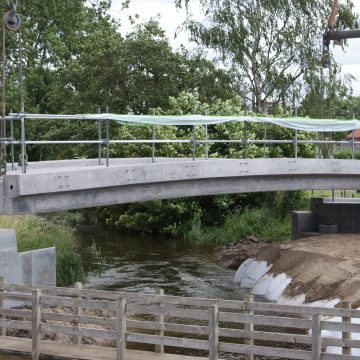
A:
143,263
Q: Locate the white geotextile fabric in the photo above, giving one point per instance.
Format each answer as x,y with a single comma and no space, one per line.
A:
321,125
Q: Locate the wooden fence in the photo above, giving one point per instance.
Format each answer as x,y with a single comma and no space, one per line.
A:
207,325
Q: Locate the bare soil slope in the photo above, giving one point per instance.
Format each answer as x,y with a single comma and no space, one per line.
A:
322,267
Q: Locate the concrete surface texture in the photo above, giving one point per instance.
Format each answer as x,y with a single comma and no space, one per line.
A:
327,216
36,267
74,184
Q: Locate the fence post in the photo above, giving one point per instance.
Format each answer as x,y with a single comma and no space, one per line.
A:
160,320
249,326
213,332
36,322
3,282
346,335
121,328
77,311
316,337
353,145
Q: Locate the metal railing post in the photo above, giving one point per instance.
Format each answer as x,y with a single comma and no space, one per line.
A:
296,144
206,143
107,138
193,144
153,144
265,138
353,145
12,144
23,144
99,138
246,139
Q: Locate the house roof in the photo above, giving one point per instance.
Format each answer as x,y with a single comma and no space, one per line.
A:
356,135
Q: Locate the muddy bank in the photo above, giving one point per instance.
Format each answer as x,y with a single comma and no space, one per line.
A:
324,267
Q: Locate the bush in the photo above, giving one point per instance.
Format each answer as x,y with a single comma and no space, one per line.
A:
262,223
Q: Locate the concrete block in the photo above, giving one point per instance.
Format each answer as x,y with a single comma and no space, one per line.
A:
328,229
8,240
10,266
39,267
302,221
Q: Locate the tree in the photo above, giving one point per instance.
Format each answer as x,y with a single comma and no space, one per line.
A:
268,43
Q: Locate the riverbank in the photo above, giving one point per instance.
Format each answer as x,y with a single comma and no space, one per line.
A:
34,232
323,267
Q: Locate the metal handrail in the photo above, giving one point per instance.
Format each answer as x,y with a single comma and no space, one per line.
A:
154,141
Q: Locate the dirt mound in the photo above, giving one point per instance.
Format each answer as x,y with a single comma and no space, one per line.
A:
233,255
322,267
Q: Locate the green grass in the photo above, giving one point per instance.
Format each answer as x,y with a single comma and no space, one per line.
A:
33,233
262,223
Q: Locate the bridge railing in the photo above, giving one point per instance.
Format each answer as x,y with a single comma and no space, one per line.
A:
160,323
104,140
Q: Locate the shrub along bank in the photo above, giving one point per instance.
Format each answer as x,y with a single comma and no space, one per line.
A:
37,233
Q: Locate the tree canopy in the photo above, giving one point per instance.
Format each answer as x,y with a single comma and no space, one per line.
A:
269,44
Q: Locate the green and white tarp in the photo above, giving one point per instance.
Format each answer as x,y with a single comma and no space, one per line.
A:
320,125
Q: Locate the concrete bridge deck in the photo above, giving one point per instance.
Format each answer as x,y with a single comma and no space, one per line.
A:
73,184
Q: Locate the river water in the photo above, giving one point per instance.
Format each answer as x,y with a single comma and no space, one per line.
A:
143,263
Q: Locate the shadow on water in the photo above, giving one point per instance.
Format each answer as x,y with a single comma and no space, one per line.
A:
143,263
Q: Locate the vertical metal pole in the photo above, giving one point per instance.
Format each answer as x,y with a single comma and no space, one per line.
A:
12,144
22,109
193,143
206,142
353,145
23,145
333,195
3,110
153,144
246,139
265,137
107,137
296,144
99,137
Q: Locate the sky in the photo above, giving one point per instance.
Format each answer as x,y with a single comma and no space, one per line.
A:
171,18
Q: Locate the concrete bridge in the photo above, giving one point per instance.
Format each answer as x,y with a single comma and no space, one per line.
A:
74,184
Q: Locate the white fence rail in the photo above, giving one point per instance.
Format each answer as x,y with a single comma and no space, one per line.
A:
211,326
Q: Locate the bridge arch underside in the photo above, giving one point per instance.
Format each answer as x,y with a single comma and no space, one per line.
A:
55,186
